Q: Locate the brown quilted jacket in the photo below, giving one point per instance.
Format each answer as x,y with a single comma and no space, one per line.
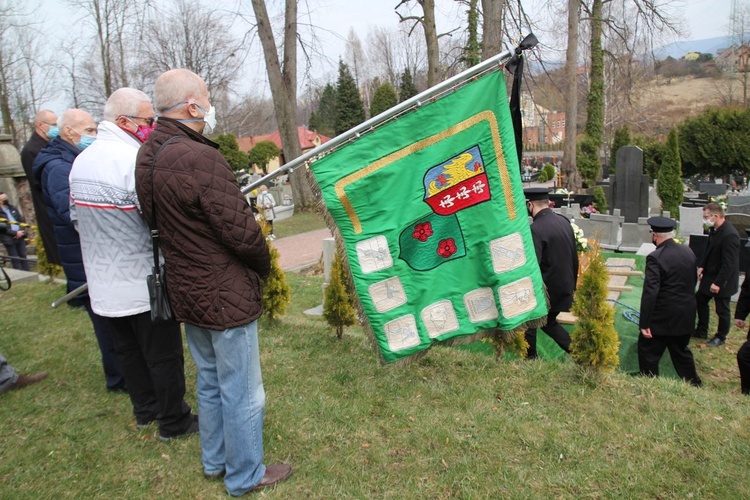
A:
214,251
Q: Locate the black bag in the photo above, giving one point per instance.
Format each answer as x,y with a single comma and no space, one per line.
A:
161,310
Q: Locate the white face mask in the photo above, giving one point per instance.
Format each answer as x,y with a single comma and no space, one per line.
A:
708,222
210,120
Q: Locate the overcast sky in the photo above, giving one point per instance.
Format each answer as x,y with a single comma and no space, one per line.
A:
334,18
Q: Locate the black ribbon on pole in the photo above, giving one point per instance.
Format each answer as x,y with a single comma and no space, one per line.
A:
515,67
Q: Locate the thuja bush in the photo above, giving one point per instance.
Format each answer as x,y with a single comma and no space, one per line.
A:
43,266
594,342
337,305
600,200
276,291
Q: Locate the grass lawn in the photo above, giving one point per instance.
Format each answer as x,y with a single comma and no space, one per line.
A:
454,424
300,222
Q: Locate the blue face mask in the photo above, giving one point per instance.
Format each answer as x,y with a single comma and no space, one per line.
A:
53,132
85,141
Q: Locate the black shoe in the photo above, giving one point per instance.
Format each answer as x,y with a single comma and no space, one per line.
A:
192,429
715,342
120,389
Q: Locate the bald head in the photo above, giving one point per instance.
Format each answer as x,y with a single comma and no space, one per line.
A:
43,120
74,123
176,86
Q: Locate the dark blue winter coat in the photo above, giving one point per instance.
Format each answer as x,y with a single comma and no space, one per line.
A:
51,169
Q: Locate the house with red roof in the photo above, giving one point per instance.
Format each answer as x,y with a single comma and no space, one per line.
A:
308,139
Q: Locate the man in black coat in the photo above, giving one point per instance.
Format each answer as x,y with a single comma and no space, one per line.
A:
719,272
668,304
45,129
556,252
743,355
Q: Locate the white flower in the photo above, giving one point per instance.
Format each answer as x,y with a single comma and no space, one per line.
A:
581,242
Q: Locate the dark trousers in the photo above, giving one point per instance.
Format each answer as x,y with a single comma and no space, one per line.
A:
556,332
17,249
103,331
722,311
651,350
743,361
151,358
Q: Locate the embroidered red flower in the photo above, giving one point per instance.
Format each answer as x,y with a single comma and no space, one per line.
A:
422,231
446,248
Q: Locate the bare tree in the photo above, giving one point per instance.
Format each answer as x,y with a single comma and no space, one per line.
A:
427,21
194,36
492,27
573,179
283,81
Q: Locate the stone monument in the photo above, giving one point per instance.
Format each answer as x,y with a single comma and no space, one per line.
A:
630,187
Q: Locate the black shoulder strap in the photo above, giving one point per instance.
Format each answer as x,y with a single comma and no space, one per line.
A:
154,230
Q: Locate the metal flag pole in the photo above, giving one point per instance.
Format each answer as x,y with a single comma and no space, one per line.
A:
67,297
354,133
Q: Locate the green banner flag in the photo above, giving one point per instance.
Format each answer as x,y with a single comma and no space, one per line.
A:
431,211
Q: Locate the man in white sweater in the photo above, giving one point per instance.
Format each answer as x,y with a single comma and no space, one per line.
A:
117,256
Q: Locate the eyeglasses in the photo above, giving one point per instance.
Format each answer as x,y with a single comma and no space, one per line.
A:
150,120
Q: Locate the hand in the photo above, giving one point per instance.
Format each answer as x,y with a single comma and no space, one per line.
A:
19,234
700,272
739,323
646,332
714,288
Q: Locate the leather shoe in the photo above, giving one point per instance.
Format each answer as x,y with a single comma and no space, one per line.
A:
715,342
193,428
274,474
24,380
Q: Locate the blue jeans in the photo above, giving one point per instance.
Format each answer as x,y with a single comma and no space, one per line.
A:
231,403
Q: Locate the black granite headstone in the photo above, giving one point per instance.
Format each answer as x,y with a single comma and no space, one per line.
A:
630,187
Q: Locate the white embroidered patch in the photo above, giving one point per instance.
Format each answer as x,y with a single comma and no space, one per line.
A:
374,255
387,294
401,333
517,297
439,318
507,253
480,304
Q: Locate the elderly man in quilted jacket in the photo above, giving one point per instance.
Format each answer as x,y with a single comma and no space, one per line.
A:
216,258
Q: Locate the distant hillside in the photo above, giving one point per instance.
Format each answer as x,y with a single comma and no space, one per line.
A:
678,49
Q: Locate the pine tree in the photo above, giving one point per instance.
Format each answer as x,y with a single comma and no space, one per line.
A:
337,305
323,120
621,138
276,290
594,342
407,89
384,99
350,111
669,186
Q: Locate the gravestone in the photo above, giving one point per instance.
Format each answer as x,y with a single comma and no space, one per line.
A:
635,235
739,221
712,189
604,228
654,202
691,221
739,209
737,200
630,188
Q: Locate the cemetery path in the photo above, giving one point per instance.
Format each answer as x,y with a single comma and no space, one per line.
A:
301,250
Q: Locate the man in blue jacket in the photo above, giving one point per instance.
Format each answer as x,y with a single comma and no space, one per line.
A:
51,169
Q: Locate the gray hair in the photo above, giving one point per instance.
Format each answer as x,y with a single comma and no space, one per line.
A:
176,86
71,116
124,102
